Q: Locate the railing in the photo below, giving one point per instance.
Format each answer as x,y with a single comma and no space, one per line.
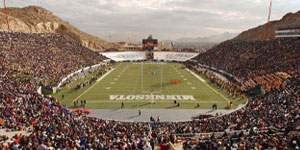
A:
221,71
78,71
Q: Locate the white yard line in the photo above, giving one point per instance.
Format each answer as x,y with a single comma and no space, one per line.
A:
136,83
182,76
123,70
161,78
142,81
193,73
166,86
142,77
97,81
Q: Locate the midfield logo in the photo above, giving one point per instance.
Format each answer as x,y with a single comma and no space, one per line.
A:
151,97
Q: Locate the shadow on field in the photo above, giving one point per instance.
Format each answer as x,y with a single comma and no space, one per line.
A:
72,91
210,111
165,84
133,116
171,107
141,105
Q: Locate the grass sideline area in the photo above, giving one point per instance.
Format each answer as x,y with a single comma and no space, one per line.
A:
141,79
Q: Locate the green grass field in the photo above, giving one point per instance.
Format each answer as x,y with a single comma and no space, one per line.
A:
133,80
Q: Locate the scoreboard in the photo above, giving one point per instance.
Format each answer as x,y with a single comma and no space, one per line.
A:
150,43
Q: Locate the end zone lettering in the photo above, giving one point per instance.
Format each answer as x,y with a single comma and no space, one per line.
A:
179,56
150,97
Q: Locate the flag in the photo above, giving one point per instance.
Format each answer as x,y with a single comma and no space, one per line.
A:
172,44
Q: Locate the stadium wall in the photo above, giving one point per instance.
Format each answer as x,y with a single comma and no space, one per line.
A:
174,56
78,71
219,71
158,56
125,56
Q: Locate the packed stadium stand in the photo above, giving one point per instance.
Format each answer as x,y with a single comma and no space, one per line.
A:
267,63
49,57
267,121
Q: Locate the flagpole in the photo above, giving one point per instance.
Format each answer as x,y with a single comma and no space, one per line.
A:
267,28
6,16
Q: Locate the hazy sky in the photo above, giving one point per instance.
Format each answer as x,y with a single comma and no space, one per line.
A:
164,19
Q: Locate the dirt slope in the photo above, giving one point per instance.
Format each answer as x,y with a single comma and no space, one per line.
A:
37,19
258,33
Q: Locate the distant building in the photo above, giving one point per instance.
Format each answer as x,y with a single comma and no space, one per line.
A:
287,31
150,43
164,46
125,46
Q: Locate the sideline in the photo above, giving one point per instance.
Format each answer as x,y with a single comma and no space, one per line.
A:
156,101
78,71
97,81
166,115
193,73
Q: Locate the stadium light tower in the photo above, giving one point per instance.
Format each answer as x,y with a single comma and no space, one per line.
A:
6,16
267,28
110,37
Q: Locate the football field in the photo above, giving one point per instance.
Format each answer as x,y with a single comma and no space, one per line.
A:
149,85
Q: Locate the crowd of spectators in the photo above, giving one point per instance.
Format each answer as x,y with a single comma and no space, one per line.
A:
52,126
48,57
222,83
256,62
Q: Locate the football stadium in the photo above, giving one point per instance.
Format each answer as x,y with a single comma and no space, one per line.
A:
139,84
62,88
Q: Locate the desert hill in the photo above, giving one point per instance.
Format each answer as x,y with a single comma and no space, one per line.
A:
37,19
258,33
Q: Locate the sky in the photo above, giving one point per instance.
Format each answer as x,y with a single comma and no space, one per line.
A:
133,20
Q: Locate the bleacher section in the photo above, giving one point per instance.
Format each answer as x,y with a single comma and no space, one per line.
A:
125,56
174,56
269,121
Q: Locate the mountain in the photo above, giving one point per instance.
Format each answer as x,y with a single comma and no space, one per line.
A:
209,39
258,33
37,19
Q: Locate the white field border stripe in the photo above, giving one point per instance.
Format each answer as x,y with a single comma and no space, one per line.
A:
97,81
207,84
195,75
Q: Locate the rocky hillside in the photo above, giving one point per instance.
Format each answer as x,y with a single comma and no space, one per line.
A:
258,33
37,19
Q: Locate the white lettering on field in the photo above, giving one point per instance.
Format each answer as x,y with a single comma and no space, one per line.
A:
151,97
